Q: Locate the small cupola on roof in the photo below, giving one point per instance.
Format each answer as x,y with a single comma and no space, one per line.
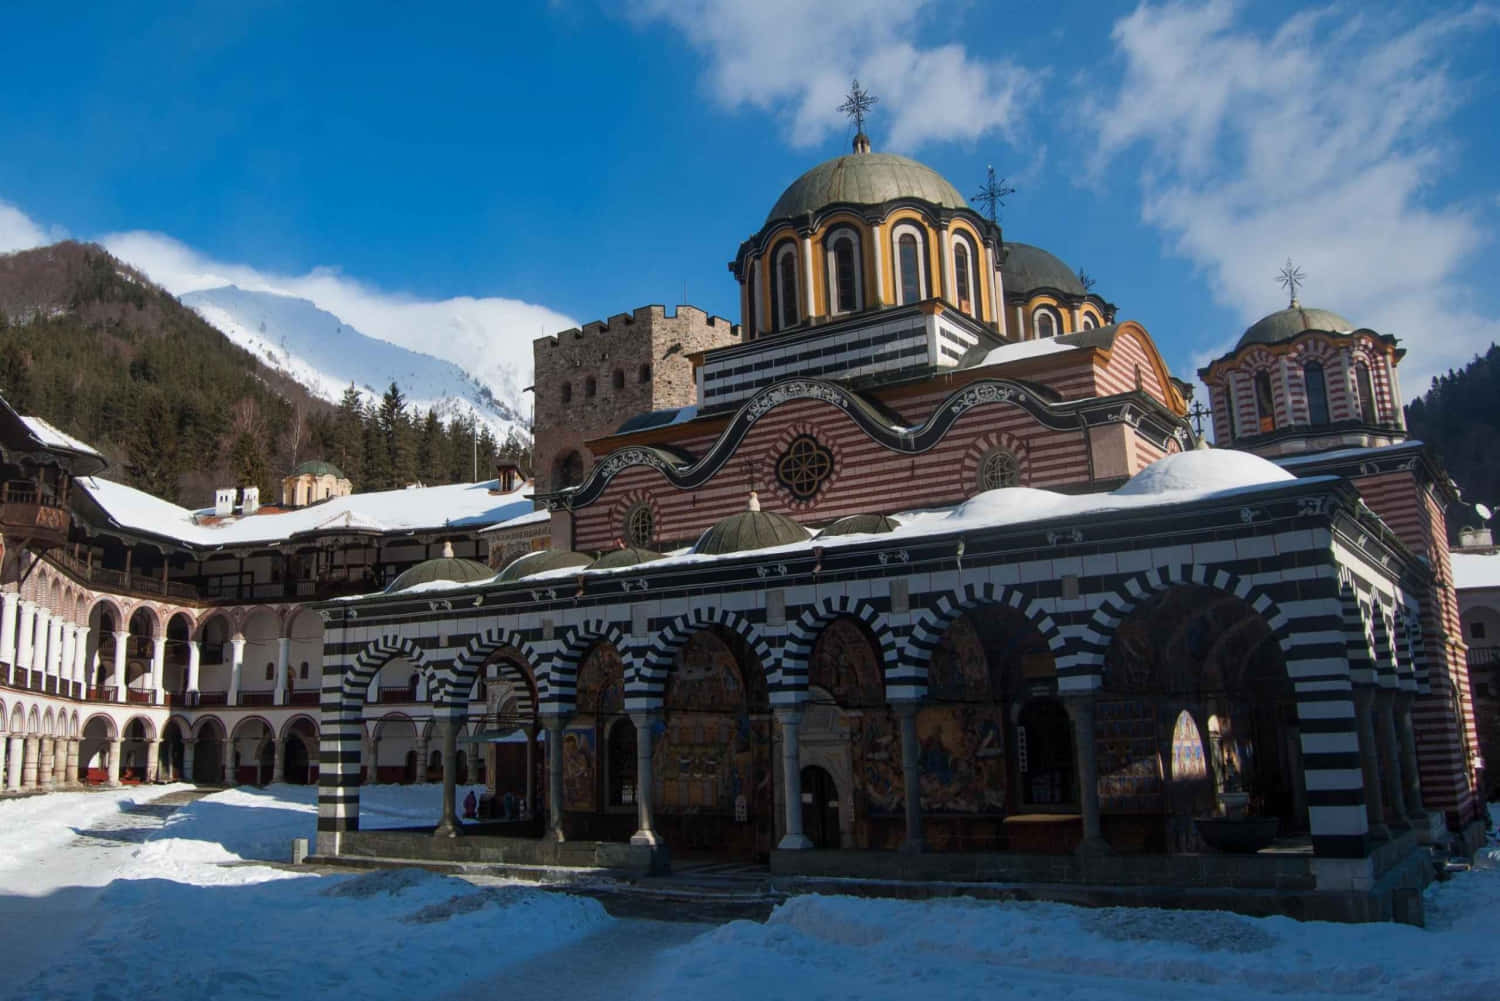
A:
541,562
1046,298
749,530
444,568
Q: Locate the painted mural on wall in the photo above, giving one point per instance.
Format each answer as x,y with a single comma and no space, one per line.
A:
580,768
846,664
600,696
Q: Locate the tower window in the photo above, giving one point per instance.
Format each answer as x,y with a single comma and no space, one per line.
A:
1045,321
1265,405
1365,391
910,262
640,526
962,280
643,374
618,379
785,306
1317,393
846,289
590,387
567,392
999,468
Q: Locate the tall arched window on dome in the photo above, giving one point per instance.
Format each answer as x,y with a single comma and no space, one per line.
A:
911,284
1317,393
965,286
1045,322
844,284
1265,404
784,288
1365,390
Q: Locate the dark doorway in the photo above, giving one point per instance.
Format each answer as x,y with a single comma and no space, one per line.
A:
295,763
208,763
820,807
621,779
1044,754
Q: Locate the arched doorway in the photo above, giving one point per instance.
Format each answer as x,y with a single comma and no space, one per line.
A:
299,742
1192,662
594,780
820,807
849,731
1044,755
172,753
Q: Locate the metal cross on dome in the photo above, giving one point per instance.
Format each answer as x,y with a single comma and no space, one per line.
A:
1199,412
857,103
992,196
1290,277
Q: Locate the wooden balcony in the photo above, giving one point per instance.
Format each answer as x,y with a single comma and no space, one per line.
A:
33,516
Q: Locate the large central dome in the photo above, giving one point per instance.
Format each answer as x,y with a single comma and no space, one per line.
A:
865,179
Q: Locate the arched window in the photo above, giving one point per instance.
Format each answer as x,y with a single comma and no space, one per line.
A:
1317,393
567,392
843,271
618,379
640,526
1365,390
590,387
909,261
785,306
1265,404
963,275
643,374
1089,323
568,472
999,468
1045,321
270,671
302,672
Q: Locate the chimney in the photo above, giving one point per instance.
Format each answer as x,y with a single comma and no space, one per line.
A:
250,500
224,502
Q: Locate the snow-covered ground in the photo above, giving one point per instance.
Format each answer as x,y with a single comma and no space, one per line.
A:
100,897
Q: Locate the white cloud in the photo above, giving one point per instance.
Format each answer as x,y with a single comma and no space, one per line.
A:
19,232
488,337
796,58
1318,141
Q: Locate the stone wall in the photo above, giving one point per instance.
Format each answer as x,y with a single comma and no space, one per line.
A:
637,362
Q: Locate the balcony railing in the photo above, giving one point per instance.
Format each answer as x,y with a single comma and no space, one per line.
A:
138,698
257,698
305,698
398,693
1483,656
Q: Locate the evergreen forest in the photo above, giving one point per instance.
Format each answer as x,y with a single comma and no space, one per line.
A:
1460,417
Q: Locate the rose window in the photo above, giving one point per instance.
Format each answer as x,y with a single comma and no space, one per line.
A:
997,469
640,526
804,467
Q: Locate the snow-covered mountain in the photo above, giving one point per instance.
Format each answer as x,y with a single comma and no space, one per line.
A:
325,354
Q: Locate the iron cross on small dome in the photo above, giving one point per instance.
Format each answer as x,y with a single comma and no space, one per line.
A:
993,194
1290,277
857,104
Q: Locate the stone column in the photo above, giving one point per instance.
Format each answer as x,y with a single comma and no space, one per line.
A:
189,748
81,660
55,650
530,771
644,786
1369,762
195,661
791,779
422,752
1081,710
283,655
15,752
1411,778
46,776
153,760
9,605
65,665
236,666
231,774
158,670
60,762
41,648
911,775
449,825
112,751
72,762
1390,759
28,764
809,297
278,760
25,635
121,638
554,726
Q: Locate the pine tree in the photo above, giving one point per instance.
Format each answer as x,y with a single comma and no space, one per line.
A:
348,437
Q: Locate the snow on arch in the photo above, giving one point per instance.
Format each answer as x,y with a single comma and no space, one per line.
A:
1204,469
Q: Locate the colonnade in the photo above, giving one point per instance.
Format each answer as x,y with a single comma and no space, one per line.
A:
41,650
34,763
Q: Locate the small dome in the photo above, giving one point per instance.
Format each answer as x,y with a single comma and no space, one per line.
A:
1284,324
752,529
628,557
317,467
1025,269
865,179
1204,470
860,524
444,568
542,561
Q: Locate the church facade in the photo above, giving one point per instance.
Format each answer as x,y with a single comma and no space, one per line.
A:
934,566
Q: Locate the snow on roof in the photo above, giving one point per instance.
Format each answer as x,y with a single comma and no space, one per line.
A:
1204,469
1475,570
1025,349
529,518
457,505
49,435
1345,453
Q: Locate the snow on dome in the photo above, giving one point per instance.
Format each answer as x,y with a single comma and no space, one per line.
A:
1009,504
1204,470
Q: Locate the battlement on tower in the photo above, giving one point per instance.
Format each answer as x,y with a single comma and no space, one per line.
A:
648,316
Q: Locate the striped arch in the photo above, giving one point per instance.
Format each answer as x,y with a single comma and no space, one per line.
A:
650,683
558,685
1408,638
376,654
908,678
1382,633
788,682
453,682
1087,663
1357,645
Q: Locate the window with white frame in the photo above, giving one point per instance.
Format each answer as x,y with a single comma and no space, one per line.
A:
1044,319
911,273
785,287
965,285
845,291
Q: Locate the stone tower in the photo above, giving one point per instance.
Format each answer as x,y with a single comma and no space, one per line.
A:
588,382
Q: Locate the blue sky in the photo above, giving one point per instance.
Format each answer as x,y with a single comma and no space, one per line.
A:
566,161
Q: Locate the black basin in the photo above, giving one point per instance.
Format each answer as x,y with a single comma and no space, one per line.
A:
1240,835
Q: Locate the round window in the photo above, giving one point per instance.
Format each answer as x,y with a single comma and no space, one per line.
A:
997,469
640,526
804,466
